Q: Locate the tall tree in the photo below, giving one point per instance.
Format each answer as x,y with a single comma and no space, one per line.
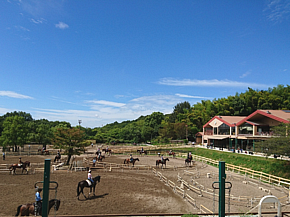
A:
71,140
14,132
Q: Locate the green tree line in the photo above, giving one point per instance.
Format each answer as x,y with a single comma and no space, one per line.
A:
18,128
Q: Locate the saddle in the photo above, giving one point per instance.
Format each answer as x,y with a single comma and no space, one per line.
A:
89,182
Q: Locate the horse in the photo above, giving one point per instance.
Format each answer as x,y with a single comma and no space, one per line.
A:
57,158
171,153
107,151
13,167
127,161
101,158
142,152
46,152
26,209
188,160
84,184
160,162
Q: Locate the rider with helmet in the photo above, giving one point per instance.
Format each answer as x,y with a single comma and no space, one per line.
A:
131,158
162,158
20,162
90,176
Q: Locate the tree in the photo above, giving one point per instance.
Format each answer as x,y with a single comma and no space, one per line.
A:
71,140
40,132
279,143
14,132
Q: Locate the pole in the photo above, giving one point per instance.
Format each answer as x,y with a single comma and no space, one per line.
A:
46,181
222,178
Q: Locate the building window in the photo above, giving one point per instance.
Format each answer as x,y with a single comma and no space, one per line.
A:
224,129
246,129
215,131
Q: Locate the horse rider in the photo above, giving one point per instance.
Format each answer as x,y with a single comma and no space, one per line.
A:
162,158
170,152
142,150
107,148
58,154
99,151
99,156
131,158
38,200
20,162
90,176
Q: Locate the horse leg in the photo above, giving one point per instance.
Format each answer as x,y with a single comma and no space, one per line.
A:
94,190
82,190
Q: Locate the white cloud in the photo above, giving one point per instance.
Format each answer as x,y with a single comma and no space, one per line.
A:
38,21
61,25
193,97
209,83
14,95
277,10
107,103
245,74
22,28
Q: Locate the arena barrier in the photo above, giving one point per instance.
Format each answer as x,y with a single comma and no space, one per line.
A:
174,187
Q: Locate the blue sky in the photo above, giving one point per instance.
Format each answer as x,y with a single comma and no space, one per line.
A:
104,61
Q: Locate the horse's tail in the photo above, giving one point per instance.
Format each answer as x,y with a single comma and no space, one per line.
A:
18,210
78,189
125,161
157,162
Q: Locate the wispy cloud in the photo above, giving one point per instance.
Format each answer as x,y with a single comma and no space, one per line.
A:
192,97
277,10
22,28
107,103
245,74
38,21
209,83
14,95
61,25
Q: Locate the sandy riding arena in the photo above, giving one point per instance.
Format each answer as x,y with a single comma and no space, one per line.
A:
141,189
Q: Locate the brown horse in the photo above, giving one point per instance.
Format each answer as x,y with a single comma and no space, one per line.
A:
107,151
24,166
46,152
128,161
26,209
160,162
171,153
142,152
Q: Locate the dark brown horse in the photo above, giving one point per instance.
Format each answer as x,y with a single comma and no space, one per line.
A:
101,158
142,152
128,161
57,158
26,209
188,161
84,184
23,166
161,162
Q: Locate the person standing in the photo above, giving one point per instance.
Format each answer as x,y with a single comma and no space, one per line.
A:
38,201
3,155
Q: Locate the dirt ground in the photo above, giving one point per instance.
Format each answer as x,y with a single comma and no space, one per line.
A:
130,191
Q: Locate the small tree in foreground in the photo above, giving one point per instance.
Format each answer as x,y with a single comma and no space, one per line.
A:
71,140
